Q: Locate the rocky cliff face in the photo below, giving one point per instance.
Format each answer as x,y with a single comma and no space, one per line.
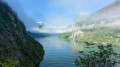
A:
15,43
77,34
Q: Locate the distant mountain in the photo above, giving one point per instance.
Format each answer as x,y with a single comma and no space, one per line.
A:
17,48
38,34
102,26
107,16
109,12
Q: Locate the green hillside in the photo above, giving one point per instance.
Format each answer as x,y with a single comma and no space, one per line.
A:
99,35
17,48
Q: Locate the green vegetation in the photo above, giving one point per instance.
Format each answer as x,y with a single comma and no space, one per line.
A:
104,57
98,35
17,48
9,63
64,35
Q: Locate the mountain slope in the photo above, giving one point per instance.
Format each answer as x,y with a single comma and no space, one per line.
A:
99,27
111,11
15,43
107,16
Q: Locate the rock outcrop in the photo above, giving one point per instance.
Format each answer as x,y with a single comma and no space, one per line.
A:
76,34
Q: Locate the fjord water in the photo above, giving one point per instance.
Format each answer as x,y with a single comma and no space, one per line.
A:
62,52
59,52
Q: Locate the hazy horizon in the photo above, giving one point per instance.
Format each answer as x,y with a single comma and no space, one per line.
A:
54,13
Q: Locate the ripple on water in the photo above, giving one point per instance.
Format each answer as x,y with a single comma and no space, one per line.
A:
57,53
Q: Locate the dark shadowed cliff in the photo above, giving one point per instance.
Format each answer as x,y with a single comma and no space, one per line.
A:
17,48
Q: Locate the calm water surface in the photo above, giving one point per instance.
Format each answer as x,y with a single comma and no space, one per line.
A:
59,52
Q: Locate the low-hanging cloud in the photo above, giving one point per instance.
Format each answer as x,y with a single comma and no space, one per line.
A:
60,18
51,29
108,16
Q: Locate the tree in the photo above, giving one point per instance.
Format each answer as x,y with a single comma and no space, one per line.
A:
104,57
9,63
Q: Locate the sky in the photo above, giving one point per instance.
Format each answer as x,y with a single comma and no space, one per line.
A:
60,12
57,13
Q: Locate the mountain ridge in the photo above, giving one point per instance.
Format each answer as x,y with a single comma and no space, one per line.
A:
107,16
17,48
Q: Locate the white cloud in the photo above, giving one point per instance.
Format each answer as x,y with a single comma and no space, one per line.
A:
51,29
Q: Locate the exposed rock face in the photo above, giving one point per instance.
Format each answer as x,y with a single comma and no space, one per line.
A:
15,43
104,43
76,34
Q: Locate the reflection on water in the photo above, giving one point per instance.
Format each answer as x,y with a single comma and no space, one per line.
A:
59,52
62,52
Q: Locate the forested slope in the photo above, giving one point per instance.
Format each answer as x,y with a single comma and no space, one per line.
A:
17,48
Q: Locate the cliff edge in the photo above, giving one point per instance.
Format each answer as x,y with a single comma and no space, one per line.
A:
17,48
